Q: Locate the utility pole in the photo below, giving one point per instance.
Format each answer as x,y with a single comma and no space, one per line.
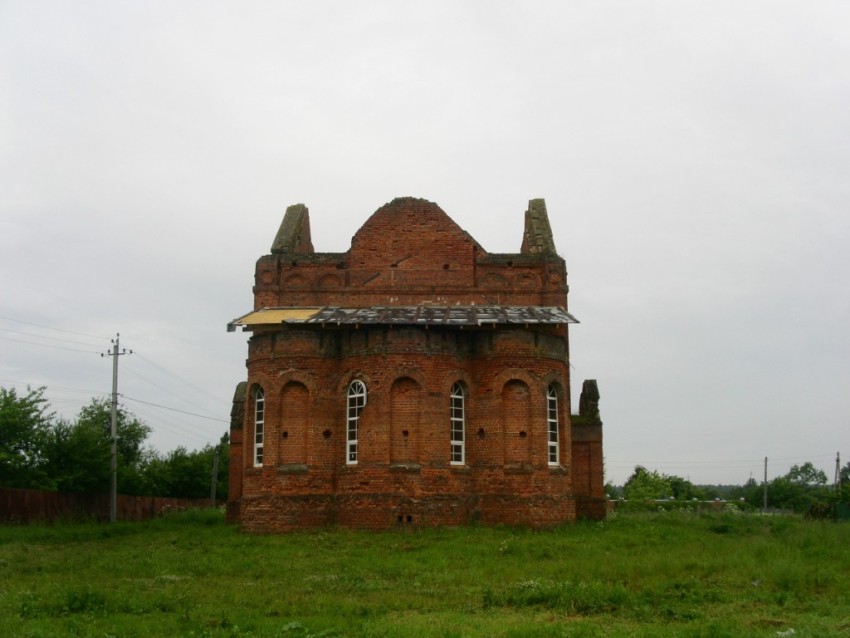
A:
113,474
764,506
838,473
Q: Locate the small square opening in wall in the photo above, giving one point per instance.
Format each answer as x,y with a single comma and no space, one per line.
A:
400,518
285,435
409,518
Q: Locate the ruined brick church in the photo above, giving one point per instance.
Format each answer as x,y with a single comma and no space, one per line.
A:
414,380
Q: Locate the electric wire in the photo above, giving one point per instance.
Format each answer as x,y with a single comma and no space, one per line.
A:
189,383
166,390
165,407
45,345
713,463
159,422
38,325
168,418
183,429
51,386
158,418
38,336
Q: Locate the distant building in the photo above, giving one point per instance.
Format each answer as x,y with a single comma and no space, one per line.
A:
415,379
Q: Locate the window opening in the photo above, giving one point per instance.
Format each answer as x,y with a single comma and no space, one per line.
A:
458,423
259,426
552,423
356,403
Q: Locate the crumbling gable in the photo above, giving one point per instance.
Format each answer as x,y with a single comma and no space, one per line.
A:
293,236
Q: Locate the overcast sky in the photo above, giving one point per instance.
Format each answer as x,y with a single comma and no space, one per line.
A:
694,157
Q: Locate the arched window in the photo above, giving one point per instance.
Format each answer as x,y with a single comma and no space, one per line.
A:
458,424
552,423
356,403
259,425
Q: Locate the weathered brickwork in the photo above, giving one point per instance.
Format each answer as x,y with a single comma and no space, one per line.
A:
392,459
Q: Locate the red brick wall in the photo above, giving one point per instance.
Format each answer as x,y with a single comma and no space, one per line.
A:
588,470
408,391
409,252
404,421
294,423
517,429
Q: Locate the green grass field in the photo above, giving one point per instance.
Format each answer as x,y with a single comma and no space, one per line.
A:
634,575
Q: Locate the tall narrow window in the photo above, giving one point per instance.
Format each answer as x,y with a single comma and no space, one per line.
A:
259,425
552,423
458,423
356,402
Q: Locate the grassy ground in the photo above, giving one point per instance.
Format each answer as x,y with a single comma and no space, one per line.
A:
634,575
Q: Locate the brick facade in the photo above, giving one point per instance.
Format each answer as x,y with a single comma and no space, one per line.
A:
491,327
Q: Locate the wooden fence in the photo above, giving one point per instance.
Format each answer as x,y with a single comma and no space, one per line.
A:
28,506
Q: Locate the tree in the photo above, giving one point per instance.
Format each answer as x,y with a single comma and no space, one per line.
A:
784,493
24,423
78,454
182,473
803,486
683,490
186,474
612,491
39,452
806,475
132,434
752,492
78,457
644,484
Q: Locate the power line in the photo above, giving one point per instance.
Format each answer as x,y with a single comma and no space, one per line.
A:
713,463
165,407
189,383
160,421
152,363
38,325
102,394
51,387
45,345
156,418
166,390
37,336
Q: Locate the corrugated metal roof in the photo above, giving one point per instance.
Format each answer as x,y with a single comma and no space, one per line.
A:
408,315
274,315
